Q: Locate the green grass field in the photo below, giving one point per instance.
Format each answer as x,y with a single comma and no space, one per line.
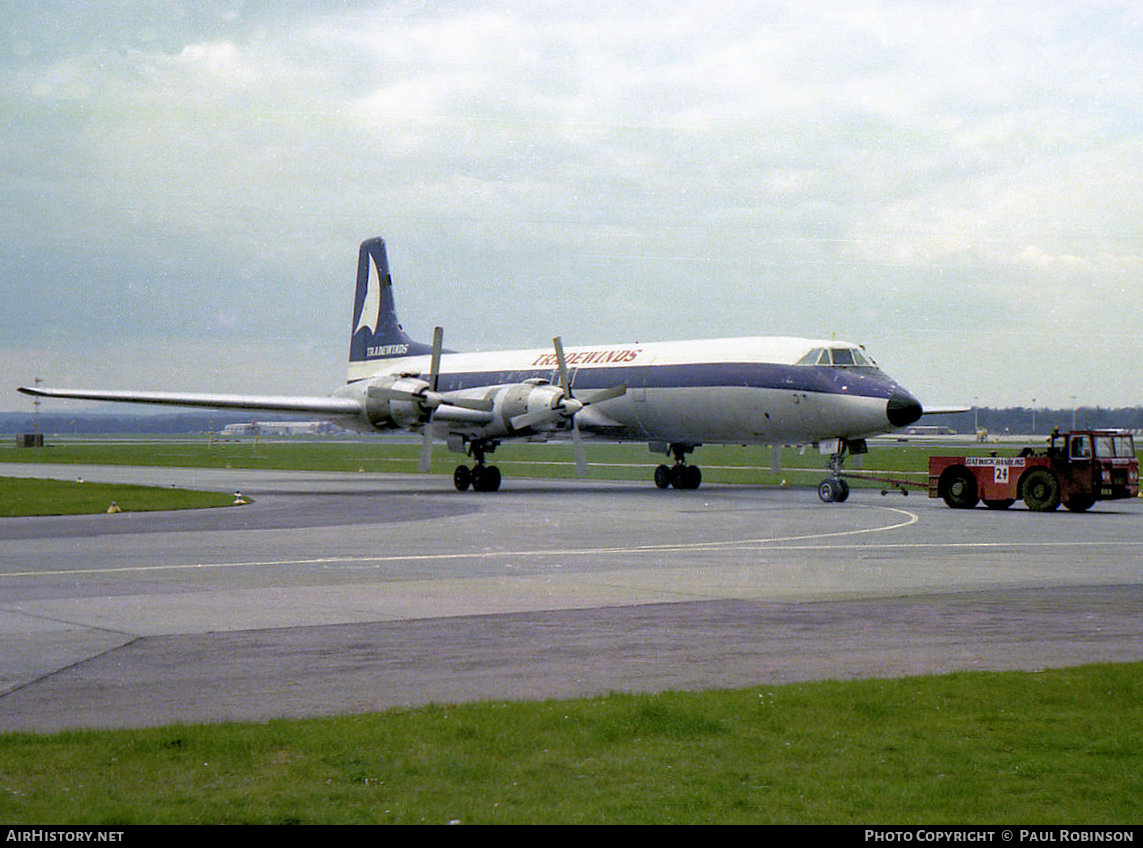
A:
30,496
1051,747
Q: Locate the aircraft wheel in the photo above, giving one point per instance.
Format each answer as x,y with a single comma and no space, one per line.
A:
663,476
486,478
686,477
462,478
692,476
1041,490
833,490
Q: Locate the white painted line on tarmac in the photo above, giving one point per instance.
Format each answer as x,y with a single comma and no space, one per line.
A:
902,518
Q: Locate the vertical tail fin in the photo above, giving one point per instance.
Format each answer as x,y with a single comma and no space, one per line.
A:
376,333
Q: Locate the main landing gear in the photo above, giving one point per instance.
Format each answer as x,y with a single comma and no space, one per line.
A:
481,477
680,475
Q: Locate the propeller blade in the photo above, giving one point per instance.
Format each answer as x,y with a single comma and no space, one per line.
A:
431,400
529,419
577,447
425,400
427,450
384,393
435,366
608,394
561,361
478,404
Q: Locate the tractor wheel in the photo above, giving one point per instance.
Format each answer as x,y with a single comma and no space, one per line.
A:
1041,489
1079,503
958,487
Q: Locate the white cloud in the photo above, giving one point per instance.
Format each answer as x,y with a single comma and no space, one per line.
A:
817,166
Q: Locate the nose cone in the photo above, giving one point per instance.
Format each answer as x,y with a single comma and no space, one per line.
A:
902,409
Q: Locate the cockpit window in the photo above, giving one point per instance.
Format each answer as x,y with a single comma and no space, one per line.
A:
840,356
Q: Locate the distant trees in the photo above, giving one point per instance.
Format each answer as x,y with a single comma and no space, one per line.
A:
1022,420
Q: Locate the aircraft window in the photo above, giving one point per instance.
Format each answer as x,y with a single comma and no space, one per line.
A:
837,356
813,357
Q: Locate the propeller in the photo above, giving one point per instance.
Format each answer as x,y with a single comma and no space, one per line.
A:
426,460
567,406
428,399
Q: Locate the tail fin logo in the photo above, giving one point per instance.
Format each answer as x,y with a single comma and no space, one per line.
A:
371,303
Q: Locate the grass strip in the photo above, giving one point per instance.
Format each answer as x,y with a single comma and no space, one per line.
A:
1054,747
26,496
627,461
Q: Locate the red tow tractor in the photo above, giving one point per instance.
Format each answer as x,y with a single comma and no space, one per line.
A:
1078,468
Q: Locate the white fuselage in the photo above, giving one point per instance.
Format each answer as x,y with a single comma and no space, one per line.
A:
731,391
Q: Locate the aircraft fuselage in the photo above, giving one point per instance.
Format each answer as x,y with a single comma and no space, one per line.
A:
729,391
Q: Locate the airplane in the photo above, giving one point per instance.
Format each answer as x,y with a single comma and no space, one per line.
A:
675,396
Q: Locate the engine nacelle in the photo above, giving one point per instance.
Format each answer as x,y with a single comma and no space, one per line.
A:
534,407
385,411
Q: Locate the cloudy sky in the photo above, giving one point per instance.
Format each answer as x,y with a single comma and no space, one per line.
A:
956,185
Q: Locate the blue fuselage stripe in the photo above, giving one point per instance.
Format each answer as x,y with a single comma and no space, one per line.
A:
860,382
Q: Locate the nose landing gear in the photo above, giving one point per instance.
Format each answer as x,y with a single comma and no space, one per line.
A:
834,489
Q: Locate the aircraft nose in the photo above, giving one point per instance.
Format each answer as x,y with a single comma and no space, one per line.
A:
902,409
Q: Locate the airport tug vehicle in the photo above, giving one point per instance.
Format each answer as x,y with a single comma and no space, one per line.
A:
1077,469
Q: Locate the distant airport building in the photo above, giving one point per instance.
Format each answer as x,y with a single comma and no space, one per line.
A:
276,428
930,430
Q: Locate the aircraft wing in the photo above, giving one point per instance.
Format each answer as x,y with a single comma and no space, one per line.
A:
334,406
943,410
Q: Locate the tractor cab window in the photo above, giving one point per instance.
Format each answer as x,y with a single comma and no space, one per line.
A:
1080,447
1104,446
1118,446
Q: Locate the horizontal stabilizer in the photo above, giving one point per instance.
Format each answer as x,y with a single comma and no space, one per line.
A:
263,403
